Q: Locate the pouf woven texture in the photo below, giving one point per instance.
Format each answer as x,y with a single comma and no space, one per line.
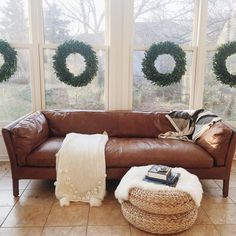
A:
158,223
161,202
160,212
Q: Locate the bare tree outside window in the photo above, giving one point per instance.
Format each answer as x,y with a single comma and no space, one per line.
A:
14,27
82,20
156,21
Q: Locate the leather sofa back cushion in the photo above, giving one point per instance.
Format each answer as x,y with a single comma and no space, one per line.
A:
115,123
28,134
216,142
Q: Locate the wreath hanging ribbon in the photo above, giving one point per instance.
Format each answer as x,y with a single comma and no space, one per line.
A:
148,63
219,64
60,67
9,66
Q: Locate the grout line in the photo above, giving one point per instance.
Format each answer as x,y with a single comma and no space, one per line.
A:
216,229
207,216
12,207
86,232
130,230
53,202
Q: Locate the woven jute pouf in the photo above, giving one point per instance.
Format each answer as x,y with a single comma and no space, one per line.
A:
161,202
158,223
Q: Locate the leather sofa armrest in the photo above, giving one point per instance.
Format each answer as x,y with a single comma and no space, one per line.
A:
219,142
24,135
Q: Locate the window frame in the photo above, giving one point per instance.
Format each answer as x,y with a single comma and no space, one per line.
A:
118,49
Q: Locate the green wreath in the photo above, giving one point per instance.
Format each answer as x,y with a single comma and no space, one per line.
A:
148,63
60,67
9,66
219,64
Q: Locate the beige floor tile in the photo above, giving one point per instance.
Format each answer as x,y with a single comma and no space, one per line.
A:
232,181
73,215
4,167
20,231
8,173
208,183
233,169
226,230
109,198
137,232
67,231
108,230
4,211
220,213
232,194
214,195
7,198
202,218
6,183
22,216
111,186
43,185
107,214
200,230
35,197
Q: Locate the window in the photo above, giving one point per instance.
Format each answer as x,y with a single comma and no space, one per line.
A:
221,28
84,21
60,95
162,20
156,21
36,28
219,98
16,92
221,24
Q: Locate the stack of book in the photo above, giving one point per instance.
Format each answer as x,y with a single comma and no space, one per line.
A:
162,174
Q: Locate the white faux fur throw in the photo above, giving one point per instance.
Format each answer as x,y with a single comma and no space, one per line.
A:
188,183
81,171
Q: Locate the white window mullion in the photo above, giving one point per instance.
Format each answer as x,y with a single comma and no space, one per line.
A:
115,53
194,55
201,55
128,33
35,20
120,31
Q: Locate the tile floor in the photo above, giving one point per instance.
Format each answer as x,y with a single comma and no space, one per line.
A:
36,211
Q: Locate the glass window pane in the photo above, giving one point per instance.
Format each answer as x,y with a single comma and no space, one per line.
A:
14,21
77,19
221,26
60,96
162,20
15,93
148,97
219,98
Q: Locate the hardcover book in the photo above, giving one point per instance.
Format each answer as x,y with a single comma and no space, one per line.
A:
171,181
159,172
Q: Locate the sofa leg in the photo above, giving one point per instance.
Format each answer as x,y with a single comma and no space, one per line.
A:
15,183
225,187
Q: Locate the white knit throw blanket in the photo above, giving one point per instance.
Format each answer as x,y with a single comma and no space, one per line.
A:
188,183
81,171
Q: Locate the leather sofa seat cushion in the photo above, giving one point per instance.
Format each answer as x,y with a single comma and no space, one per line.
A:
28,134
44,155
126,152
115,123
216,141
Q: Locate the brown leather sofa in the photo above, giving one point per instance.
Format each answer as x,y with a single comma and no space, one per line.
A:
32,142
